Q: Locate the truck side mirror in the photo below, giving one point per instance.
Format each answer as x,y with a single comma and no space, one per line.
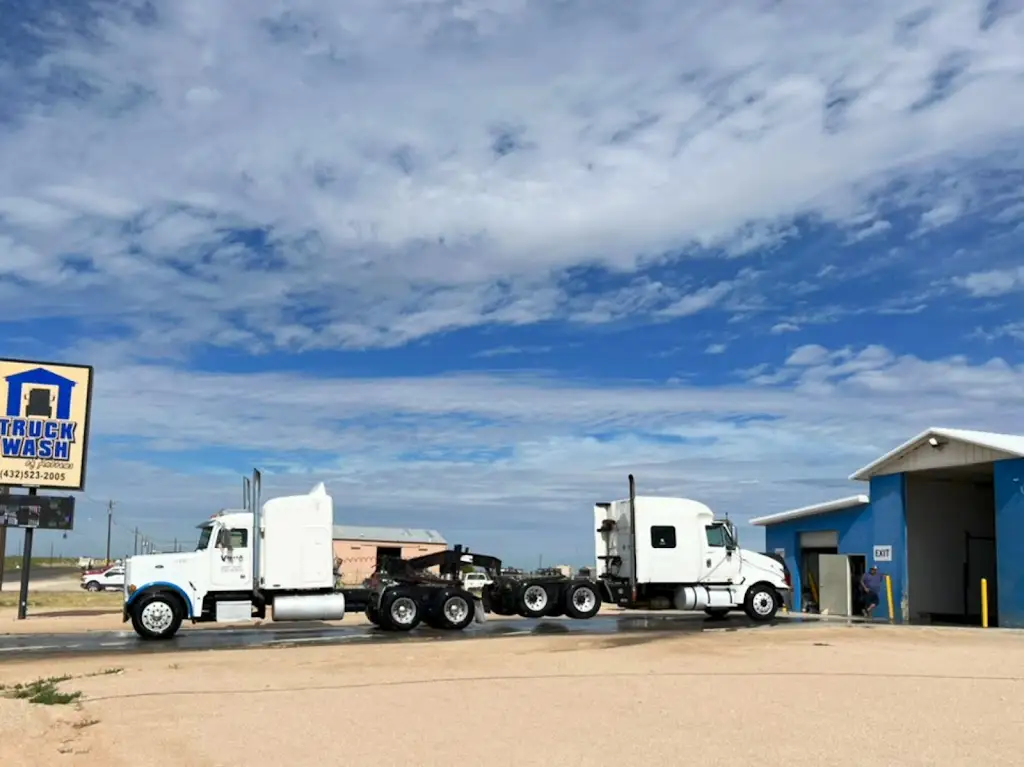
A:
223,538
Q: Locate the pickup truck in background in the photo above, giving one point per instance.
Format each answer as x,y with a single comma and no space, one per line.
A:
101,580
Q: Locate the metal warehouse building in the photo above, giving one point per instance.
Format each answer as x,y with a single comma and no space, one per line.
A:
945,510
360,548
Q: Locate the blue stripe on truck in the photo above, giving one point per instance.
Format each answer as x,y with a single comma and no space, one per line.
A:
162,584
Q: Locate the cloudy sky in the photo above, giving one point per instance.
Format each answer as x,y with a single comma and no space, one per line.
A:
471,262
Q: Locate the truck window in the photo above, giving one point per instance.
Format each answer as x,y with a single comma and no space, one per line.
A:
717,536
663,537
239,539
204,537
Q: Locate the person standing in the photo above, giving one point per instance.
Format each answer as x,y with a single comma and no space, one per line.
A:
871,583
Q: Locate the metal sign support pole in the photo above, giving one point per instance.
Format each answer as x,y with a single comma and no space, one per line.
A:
26,566
4,490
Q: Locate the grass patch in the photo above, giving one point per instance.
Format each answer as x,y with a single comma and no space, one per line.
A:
107,672
45,692
12,562
67,599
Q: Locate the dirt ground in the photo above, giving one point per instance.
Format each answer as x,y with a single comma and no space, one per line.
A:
806,695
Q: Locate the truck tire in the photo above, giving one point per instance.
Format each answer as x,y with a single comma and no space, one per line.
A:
454,609
156,616
372,614
532,600
582,601
761,603
400,610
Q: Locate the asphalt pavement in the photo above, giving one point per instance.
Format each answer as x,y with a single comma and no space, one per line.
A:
24,646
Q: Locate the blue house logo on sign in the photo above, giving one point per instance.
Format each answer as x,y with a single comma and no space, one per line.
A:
43,423
37,419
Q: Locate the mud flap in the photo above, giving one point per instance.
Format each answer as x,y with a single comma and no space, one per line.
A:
479,614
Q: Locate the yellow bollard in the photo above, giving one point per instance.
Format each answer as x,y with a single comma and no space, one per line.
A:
888,597
984,603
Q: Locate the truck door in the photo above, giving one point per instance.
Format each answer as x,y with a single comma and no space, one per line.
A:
721,556
231,561
835,595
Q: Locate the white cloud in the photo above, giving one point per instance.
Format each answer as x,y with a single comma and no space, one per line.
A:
716,348
482,456
507,351
413,173
809,354
784,327
992,283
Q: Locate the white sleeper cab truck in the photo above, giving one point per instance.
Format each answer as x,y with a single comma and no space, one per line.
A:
671,553
234,575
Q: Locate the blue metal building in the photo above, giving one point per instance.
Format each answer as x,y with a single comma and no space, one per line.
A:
944,510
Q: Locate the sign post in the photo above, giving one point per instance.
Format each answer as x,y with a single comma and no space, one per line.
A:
44,440
26,567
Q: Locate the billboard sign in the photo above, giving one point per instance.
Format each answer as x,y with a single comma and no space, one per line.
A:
44,423
43,512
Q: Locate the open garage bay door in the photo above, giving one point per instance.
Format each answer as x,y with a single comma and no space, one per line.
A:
950,544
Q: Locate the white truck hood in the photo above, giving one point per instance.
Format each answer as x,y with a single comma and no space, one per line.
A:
177,568
757,566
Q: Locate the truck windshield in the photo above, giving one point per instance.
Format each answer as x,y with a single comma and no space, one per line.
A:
204,537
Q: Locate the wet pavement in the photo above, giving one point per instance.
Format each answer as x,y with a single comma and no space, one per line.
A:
24,646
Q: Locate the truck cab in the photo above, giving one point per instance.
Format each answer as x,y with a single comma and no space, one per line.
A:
233,576
662,552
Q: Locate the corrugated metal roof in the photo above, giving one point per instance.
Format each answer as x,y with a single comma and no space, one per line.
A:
396,534
1010,444
839,504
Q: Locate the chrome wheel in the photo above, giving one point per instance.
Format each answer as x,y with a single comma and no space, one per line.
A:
156,617
536,598
455,610
763,603
584,600
403,611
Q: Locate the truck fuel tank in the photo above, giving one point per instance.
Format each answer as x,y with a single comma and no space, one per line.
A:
309,607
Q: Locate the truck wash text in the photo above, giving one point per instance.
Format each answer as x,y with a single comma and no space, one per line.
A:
43,438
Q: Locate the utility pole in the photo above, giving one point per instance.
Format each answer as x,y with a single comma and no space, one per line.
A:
110,523
136,540
175,545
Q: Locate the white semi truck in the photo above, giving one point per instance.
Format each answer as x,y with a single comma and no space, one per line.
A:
234,575
671,553
655,553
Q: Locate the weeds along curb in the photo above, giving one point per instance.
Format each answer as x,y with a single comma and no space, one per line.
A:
46,690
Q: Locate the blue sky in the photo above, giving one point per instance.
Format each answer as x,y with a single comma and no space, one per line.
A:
472,262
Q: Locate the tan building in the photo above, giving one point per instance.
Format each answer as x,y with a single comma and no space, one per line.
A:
359,548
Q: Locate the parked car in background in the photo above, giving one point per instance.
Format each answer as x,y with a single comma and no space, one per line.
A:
110,578
475,581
